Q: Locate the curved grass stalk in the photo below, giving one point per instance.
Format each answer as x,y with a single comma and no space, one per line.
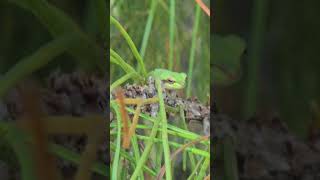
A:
58,23
40,58
117,59
121,81
131,44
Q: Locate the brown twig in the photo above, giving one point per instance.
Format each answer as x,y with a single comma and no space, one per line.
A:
203,7
33,122
124,117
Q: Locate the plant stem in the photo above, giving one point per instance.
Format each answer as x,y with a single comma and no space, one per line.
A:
256,42
171,31
148,27
131,44
193,49
165,143
116,159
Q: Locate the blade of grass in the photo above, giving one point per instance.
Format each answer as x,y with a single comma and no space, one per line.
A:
173,130
171,32
254,53
96,19
230,159
115,58
164,124
203,169
191,156
40,58
146,151
116,159
102,15
192,50
73,157
130,158
58,23
175,153
130,43
148,27
16,139
121,81
195,170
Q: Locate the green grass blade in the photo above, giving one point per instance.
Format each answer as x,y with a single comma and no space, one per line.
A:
116,159
22,150
195,170
130,43
121,81
204,168
192,51
95,21
117,59
259,23
75,158
58,23
131,159
171,32
40,58
146,151
148,27
102,15
164,124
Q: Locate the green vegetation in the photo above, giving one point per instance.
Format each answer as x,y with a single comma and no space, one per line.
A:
69,45
166,39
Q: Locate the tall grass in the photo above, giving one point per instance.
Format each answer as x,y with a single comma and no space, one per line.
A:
165,33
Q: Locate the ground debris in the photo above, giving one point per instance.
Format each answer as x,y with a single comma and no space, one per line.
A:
197,114
267,150
71,94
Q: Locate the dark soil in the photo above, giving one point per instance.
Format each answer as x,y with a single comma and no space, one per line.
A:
77,94
265,150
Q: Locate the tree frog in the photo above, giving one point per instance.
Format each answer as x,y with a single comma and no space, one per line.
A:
170,80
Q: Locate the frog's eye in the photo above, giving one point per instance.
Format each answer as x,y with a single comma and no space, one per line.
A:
170,81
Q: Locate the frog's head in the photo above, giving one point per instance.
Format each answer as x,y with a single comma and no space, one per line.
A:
171,80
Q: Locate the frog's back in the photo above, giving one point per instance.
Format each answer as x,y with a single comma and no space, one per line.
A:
159,72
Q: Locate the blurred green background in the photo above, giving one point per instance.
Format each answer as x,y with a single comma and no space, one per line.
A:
280,67
21,33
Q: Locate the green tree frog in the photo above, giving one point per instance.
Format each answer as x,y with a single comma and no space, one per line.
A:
170,80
